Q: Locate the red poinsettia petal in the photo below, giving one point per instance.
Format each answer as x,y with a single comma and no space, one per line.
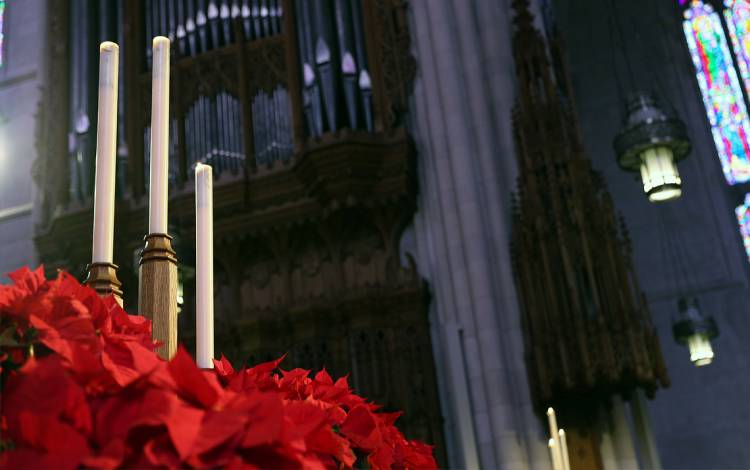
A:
110,388
52,436
305,419
159,453
265,419
28,280
191,381
323,377
224,369
360,426
29,392
32,459
266,367
110,457
381,459
325,441
184,427
277,457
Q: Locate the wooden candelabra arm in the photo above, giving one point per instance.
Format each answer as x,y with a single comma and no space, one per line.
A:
157,290
102,277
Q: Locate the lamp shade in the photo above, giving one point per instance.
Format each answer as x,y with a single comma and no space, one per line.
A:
695,330
661,180
651,143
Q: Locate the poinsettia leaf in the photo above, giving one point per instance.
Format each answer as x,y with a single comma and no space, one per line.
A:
361,427
190,381
98,395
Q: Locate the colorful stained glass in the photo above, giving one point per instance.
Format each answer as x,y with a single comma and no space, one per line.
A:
720,87
737,14
2,14
743,217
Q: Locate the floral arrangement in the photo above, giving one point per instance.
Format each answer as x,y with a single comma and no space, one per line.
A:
82,387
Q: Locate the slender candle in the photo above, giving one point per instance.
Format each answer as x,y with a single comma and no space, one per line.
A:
157,207
554,454
564,450
106,143
553,432
204,266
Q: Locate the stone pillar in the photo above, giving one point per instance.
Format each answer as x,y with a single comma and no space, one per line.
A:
643,432
462,102
622,439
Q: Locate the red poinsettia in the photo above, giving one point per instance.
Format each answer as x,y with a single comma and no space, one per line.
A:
83,387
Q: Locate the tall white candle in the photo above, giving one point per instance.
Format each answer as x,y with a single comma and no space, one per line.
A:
204,266
553,432
157,218
554,453
106,143
564,450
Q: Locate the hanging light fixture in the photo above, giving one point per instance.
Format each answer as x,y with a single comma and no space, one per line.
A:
652,143
695,330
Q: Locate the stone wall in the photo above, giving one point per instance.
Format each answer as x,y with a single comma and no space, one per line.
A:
20,75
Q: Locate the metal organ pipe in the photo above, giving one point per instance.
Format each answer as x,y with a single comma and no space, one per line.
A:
347,61
181,31
213,22
171,20
190,27
213,124
163,28
337,89
246,20
200,23
226,21
311,92
327,73
364,81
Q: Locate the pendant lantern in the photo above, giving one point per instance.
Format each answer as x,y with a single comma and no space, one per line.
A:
652,143
695,330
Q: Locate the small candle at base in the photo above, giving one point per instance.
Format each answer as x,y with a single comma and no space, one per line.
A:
554,453
106,143
204,267
564,450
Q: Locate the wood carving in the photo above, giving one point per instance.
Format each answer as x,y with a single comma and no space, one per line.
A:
587,328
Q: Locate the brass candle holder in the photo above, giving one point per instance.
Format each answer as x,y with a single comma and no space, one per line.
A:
157,290
102,277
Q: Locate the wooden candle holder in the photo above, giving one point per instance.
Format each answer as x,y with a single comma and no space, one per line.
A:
102,277
157,290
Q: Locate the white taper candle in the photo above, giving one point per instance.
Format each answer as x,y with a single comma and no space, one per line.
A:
157,207
204,266
554,453
564,450
553,432
106,143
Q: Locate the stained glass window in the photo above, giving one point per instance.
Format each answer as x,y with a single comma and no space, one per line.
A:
743,217
2,13
737,15
720,87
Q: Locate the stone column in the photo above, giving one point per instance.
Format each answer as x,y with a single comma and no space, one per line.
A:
462,102
643,433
